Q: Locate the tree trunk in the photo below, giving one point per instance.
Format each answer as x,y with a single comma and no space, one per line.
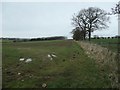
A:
84,35
90,31
89,35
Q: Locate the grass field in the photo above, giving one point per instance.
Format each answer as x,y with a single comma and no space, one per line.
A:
111,44
72,68
0,64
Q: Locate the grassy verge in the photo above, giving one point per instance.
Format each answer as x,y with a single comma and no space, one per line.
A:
105,59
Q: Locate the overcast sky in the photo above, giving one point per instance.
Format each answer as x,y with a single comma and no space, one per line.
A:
43,19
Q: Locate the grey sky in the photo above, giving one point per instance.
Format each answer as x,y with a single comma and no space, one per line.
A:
41,19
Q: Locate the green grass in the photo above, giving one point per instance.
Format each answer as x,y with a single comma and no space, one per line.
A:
111,44
72,68
0,64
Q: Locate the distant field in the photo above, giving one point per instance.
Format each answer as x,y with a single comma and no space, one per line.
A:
111,44
72,68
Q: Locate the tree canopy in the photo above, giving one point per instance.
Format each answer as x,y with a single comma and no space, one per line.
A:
116,9
78,34
91,19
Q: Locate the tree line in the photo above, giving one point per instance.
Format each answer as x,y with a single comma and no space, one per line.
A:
35,39
49,38
91,19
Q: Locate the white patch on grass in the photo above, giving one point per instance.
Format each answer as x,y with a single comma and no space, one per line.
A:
19,73
22,80
30,76
54,55
21,59
28,60
49,56
44,85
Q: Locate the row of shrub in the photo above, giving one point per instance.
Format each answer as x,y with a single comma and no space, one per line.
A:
105,37
49,38
38,39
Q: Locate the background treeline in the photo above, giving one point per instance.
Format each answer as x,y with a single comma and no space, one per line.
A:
49,38
35,39
97,37
54,38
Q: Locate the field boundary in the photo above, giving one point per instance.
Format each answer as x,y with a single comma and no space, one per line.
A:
105,59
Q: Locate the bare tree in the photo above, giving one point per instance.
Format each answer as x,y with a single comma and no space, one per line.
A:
79,21
116,9
91,19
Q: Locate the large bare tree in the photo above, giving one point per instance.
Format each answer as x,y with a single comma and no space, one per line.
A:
90,19
79,21
116,9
